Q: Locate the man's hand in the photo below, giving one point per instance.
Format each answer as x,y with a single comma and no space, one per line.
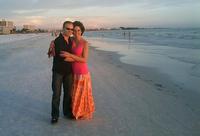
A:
51,51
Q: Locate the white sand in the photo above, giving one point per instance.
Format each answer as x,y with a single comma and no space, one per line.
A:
127,103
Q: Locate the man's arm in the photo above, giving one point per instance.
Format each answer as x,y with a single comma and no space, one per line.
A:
51,51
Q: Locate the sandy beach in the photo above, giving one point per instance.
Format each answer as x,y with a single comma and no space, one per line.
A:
130,100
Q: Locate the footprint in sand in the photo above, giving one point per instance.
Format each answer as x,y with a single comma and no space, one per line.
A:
147,80
158,85
138,76
179,87
159,89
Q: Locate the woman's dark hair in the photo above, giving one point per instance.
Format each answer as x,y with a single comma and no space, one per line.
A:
79,24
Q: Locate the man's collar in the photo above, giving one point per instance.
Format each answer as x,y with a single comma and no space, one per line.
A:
63,35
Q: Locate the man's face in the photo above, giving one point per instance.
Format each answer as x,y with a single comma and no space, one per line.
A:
68,29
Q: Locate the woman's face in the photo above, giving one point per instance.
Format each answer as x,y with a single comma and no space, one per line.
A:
77,31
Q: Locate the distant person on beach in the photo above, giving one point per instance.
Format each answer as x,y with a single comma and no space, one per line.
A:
81,93
82,98
62,72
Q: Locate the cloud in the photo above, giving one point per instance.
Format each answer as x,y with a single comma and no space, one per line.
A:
29,12
69,4
96,12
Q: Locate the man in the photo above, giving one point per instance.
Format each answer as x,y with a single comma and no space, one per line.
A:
62,72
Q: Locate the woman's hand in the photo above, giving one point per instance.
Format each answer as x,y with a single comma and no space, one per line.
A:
68,59
65,54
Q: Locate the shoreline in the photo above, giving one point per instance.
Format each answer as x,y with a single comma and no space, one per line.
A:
155,90
182,69
160,81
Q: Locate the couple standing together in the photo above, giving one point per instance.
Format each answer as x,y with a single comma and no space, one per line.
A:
70,70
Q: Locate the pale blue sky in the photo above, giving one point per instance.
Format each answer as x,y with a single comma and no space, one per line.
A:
103,13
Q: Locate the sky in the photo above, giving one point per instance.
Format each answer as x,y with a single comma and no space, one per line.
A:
102,13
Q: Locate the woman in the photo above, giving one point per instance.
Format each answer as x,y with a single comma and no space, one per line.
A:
82,99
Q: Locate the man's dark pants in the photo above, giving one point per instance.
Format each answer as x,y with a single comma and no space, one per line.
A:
57,81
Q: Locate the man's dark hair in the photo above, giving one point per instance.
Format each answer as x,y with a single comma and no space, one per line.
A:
67,22
79,24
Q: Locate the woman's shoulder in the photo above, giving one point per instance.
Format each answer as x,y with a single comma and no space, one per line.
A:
85,42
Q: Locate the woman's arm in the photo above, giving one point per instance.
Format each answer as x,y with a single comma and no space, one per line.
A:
69,59
82,58
51,52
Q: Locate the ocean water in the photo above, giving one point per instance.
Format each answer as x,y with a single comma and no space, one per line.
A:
17,37
185,38
175,52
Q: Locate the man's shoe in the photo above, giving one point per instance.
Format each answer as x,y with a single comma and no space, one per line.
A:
54,120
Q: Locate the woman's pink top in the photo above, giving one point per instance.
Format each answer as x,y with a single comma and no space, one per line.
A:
79,67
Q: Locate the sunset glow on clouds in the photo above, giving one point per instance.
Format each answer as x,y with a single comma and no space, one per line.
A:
104,13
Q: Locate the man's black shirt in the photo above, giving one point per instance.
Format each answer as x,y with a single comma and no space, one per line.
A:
59,65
